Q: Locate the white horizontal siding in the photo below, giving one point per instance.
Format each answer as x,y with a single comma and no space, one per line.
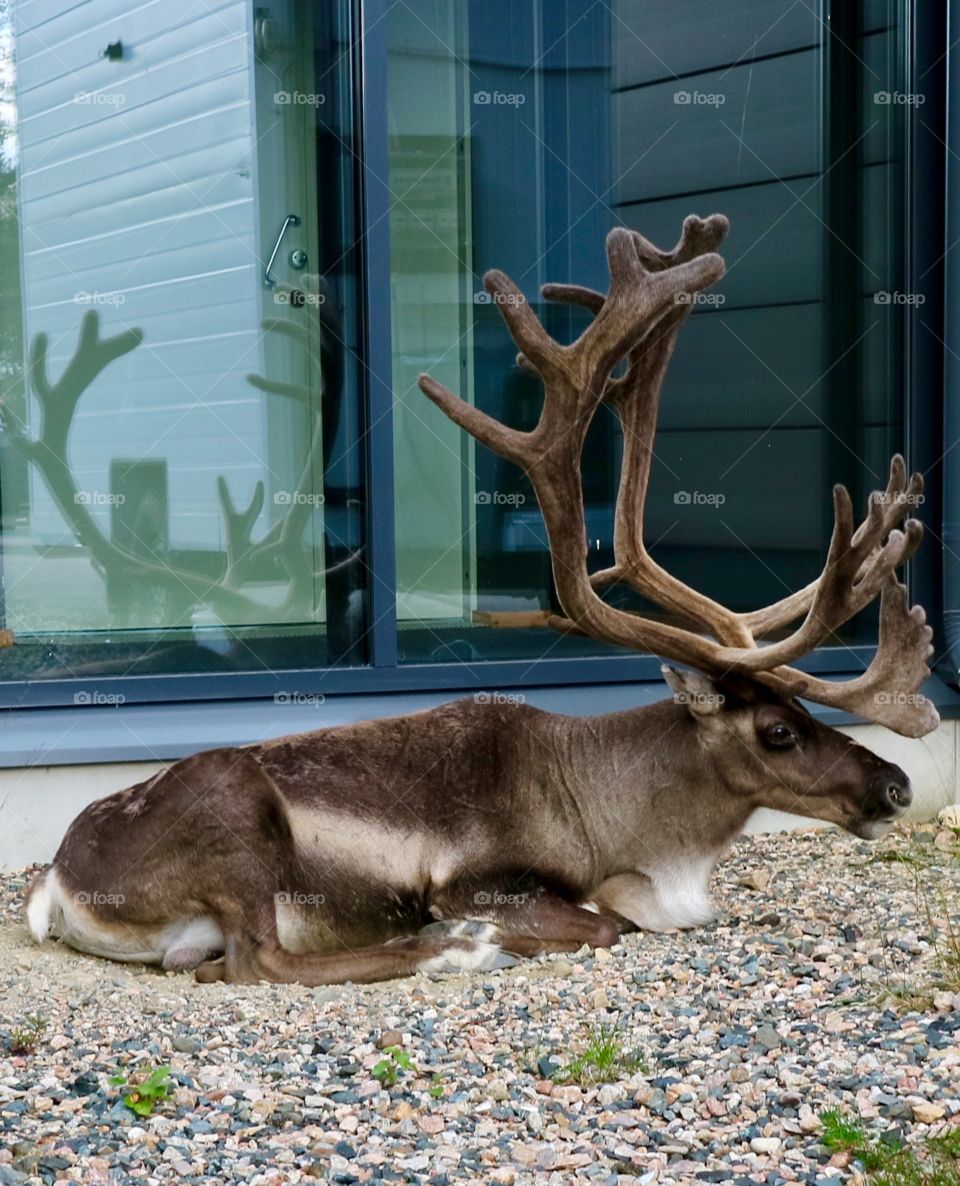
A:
147,195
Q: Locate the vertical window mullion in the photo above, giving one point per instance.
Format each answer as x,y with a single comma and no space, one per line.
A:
375,218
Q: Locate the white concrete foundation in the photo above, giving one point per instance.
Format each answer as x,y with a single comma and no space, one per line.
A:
37,804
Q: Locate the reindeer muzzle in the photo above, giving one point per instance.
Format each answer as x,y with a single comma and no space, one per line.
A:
889,794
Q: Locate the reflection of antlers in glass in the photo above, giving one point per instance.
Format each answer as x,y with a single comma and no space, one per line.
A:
48,452
283,542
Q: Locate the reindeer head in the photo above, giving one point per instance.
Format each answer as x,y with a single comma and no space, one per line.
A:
773,753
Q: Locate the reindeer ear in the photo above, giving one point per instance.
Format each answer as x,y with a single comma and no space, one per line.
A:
697,691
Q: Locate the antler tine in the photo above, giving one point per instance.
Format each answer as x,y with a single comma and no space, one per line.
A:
886,692
638,297
238,523
525,327
842,590
573,294
635,398
58,400
508,442
698,237
885,511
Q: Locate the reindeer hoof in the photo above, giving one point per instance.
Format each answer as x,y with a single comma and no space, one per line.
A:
210,971
183,959
468,955
462,928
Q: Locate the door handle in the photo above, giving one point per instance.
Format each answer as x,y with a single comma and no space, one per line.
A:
270,281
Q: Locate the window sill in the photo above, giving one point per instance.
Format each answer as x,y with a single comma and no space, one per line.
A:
161,732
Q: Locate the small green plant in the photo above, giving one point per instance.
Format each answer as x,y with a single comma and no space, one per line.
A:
530,1058
146,1090
887,1161
913,859
944,933
946,944
603,1060
436,1088
393,1067
25,1038
841,1133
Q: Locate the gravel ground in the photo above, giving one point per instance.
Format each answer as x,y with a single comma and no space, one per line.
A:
817,989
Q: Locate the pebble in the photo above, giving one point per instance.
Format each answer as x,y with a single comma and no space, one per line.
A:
925,1112
767,1037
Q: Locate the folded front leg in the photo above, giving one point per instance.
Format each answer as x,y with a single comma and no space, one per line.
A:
529,921
366,965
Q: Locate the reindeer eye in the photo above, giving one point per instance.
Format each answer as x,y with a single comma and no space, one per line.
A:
781,737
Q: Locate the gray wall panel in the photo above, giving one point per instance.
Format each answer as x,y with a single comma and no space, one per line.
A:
658,40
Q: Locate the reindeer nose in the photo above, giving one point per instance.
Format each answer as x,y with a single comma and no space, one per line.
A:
890,792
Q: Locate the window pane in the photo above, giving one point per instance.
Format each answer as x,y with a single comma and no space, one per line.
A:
180,470
521,132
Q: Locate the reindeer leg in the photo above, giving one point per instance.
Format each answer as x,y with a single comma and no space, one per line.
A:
527,922
210,971
253,952
504,924
384,961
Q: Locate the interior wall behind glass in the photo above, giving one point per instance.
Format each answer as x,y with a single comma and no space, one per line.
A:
786,378
432,324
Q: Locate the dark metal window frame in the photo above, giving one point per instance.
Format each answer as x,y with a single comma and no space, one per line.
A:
922,66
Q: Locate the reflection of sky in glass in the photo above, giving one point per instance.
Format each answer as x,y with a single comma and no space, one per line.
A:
9,149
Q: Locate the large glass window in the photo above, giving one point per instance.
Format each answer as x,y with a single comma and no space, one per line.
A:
521,131
180,465
192,403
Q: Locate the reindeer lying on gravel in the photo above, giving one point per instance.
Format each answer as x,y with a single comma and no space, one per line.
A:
476,832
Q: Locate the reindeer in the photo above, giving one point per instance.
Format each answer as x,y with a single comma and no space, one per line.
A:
477,833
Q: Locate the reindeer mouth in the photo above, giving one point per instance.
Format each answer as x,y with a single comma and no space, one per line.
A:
873,829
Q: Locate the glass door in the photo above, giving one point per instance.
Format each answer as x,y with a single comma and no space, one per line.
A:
521,132
180,468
